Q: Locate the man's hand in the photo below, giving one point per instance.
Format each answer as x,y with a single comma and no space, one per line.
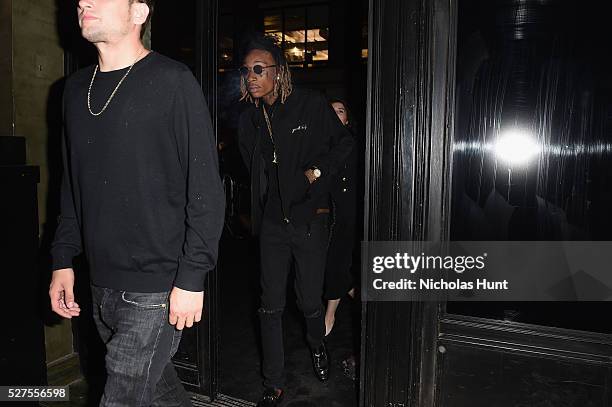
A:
185,307
62,294
310,175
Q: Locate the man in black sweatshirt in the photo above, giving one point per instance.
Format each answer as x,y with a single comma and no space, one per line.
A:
292,142
142,197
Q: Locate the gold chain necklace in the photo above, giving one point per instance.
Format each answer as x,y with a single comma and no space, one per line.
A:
114,91
275,161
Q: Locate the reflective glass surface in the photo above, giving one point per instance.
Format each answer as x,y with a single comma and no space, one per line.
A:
533,136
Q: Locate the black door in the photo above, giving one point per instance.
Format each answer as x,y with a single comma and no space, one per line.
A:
529,75
184,33
448,80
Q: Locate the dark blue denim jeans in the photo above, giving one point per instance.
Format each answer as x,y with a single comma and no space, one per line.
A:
140,343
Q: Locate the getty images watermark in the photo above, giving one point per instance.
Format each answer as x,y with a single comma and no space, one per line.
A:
412,264
487,271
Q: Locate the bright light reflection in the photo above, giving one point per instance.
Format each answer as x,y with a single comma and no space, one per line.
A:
516,147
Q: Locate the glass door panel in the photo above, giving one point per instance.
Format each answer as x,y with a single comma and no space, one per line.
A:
533,137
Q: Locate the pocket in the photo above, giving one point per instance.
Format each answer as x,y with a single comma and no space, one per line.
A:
145,300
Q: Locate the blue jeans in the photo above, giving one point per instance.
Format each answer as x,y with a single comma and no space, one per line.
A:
140,343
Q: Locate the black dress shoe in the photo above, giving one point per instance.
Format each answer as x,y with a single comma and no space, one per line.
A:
320,362
271,398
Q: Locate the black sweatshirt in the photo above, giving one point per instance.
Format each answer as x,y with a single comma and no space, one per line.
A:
307,133
141,191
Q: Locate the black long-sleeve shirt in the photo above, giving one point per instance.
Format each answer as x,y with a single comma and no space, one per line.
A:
307,133
141,191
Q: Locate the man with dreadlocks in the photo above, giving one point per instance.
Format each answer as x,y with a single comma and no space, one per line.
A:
292,142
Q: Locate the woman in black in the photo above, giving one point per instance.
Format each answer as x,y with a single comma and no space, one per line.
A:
338,278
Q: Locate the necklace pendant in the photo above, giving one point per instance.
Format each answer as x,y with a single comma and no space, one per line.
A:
275,160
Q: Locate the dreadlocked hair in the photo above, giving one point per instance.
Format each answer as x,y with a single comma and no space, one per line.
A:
282,84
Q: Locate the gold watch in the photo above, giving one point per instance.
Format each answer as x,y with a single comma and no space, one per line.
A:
316,172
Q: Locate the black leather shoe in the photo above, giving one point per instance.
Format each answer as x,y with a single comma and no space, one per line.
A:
271,398
320,362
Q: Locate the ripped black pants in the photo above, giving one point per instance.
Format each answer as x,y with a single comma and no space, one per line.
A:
306,247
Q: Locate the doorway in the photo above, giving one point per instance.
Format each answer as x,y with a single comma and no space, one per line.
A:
326,45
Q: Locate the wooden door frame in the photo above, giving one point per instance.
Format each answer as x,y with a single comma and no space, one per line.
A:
388,130
408,161
206,72
200,374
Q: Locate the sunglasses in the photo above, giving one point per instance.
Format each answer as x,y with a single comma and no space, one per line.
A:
257,69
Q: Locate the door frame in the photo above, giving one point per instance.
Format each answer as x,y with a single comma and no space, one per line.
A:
201,373
408,161
207,23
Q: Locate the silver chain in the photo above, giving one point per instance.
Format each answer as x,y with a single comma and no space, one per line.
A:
114,91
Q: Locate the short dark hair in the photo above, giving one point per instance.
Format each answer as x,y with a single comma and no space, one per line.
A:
259,41
151,5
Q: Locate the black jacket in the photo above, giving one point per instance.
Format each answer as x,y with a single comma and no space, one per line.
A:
307,133
344,188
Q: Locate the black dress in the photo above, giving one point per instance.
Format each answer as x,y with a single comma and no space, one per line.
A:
338,277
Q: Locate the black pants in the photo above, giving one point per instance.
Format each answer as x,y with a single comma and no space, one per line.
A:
280,245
